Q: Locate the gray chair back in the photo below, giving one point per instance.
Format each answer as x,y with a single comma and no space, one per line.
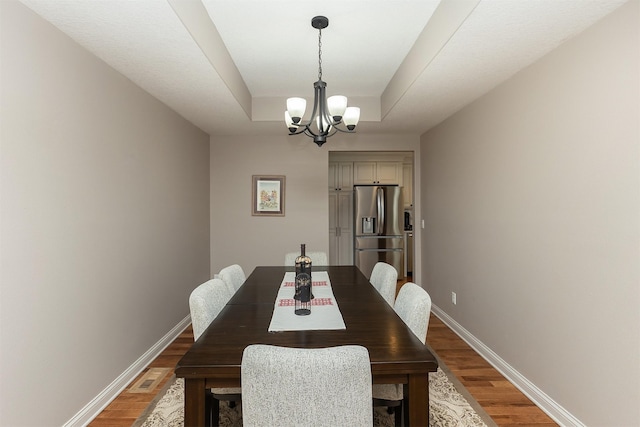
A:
205,303
306,387
413,305
233,276
384,277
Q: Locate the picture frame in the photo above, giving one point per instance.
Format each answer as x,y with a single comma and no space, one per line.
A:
268,195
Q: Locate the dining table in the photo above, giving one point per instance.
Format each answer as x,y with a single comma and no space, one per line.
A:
397,356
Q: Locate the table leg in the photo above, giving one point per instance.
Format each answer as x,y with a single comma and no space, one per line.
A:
418,400
194,402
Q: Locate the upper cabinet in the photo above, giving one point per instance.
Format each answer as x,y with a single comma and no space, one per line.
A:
340,176
377,173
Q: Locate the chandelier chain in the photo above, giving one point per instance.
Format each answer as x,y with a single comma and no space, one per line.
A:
319,54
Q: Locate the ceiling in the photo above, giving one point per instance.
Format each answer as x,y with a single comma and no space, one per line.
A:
228,66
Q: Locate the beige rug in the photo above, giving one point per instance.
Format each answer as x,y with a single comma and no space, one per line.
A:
447,408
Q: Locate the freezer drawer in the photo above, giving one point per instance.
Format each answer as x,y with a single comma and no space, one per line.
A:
365,259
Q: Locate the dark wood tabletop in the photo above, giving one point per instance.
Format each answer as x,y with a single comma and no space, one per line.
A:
397,355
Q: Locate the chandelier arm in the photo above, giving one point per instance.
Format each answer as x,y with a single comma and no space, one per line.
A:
317,90
306,129
301,129
328,118
309,132
335,129
342,130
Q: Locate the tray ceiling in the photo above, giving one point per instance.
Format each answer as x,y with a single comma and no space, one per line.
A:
229,65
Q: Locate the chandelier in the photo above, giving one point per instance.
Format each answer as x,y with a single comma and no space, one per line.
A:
329,114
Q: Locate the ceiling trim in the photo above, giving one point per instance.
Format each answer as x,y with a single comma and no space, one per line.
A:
196,20
445,21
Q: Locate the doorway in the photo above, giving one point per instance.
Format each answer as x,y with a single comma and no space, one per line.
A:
347,169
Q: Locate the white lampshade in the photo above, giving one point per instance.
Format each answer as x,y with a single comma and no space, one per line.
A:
337,105
287,120
351,117
296,107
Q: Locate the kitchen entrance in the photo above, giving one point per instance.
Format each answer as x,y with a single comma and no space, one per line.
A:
348,169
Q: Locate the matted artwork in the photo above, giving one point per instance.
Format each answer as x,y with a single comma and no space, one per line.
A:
267,197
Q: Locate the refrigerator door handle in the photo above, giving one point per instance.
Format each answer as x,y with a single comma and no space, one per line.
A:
380,206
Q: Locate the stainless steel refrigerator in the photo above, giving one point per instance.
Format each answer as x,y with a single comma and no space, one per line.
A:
379,227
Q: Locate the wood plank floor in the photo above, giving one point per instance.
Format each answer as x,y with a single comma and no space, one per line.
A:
506,405
500,399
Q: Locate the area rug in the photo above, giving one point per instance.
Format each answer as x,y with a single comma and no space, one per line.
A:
447,408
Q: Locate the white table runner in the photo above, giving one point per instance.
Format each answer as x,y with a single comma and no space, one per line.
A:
325,314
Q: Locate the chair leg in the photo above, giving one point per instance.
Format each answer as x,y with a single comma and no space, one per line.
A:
398,414
208,406
405,405
215,416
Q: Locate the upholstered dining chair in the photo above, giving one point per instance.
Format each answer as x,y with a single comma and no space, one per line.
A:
205,303
233,276
413,306
317,258
325,387
384,277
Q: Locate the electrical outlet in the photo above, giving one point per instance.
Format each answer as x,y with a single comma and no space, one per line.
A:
454,298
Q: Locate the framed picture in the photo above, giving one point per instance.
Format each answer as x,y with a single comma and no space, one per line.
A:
267,197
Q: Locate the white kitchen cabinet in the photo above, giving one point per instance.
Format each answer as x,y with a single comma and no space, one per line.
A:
340,212
383,173
340,228
340,176
407,185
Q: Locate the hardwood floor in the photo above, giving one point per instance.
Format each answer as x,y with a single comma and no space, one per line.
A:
500,399
506,405
128,406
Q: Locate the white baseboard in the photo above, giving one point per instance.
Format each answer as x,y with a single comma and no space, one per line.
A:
540,398
97,404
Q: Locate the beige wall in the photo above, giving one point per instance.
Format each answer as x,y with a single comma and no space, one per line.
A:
531,201
236,235
105,222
